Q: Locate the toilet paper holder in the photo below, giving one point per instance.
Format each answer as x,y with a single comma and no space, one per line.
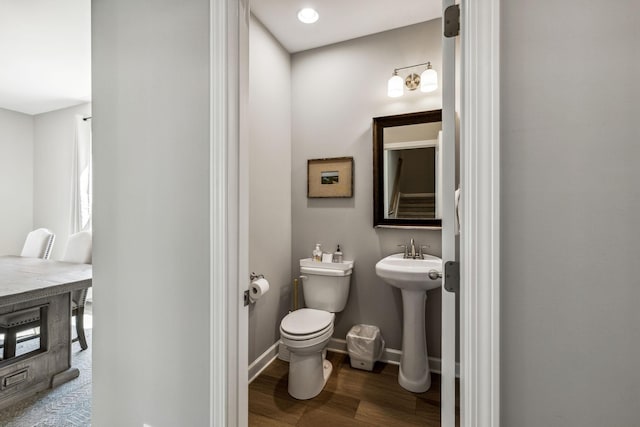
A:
254,276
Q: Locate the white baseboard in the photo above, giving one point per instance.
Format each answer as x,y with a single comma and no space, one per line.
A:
263,361
390,355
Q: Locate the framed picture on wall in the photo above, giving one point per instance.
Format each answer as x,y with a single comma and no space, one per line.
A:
330,177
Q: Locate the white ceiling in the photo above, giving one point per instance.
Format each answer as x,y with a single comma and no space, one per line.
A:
45,51
339,19
45,45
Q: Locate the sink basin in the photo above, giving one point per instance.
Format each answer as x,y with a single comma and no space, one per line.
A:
412,274
412,277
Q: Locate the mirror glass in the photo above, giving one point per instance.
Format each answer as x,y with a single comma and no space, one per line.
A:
406,150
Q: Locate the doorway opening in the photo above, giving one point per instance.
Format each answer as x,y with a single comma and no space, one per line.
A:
45,135
319,102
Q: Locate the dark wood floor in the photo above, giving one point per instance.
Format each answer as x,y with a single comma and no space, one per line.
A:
352,397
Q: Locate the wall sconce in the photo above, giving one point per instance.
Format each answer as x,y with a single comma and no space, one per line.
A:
428,80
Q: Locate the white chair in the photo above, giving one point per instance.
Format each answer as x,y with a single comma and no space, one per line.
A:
38,244
79,250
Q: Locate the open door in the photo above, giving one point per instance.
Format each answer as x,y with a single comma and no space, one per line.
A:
448,158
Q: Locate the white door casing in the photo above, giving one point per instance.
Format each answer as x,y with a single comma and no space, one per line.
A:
229,86
448,173
479,210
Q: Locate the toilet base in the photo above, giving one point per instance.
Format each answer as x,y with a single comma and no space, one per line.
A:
308,375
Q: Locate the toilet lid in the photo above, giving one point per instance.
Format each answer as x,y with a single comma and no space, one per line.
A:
306,321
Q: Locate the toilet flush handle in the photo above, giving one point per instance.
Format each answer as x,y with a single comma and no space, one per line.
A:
303,277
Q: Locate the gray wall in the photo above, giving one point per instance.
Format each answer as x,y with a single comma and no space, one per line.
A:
570,204
418,170
16,180
151,230
269,184
54,142
336,91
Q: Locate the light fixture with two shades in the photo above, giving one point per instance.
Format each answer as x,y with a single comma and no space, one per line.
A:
427,81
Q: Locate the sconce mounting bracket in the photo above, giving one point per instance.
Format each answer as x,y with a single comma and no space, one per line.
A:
412,82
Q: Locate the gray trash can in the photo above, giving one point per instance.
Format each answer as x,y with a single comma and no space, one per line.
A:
365,346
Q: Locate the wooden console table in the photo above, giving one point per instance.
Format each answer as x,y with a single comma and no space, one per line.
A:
27,283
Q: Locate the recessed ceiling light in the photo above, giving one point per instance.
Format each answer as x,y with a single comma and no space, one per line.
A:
308,15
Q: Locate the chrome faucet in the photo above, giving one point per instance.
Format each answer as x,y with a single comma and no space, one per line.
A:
411,252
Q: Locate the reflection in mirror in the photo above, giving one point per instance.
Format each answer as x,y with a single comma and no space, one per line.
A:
406,169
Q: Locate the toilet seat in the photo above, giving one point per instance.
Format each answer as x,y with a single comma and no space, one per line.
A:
306,324
307,337
308,344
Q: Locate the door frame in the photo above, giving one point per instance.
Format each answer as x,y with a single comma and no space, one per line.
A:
480,213
229,210
480,209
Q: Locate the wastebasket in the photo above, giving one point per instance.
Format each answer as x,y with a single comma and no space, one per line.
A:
365,346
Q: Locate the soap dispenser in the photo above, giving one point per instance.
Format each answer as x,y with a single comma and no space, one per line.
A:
337,255
317,253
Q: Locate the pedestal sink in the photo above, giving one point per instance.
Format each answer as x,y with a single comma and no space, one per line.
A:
414,277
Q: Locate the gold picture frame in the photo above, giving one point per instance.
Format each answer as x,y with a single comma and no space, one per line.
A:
330,177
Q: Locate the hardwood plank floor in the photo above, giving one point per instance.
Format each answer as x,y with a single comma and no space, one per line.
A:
352,397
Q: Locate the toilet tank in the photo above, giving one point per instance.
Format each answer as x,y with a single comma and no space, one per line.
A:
325,285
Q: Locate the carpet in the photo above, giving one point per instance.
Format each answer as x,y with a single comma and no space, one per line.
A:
68,405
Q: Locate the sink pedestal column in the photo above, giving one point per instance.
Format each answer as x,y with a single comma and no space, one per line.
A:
415,374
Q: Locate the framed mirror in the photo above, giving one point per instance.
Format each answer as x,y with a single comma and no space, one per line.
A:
406,170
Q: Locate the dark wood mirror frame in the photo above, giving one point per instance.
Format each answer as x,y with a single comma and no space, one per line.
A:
379,124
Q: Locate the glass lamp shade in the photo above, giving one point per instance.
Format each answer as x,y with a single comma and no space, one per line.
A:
395,87
429,80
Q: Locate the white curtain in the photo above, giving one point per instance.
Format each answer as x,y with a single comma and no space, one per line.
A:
81,186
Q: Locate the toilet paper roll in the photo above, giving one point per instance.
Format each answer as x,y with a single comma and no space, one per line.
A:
258,288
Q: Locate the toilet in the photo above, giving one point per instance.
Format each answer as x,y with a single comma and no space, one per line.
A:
306,332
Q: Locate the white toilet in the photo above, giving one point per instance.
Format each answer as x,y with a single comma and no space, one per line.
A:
306,332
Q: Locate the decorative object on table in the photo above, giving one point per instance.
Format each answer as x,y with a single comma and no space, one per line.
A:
330,177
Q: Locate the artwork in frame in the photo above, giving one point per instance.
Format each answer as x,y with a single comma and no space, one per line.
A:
330,177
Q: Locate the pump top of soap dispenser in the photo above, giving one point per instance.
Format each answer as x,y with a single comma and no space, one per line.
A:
337,255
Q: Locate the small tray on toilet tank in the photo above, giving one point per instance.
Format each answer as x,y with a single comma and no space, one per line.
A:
310,263
336,269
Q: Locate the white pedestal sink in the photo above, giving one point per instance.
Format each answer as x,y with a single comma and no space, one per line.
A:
412,277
